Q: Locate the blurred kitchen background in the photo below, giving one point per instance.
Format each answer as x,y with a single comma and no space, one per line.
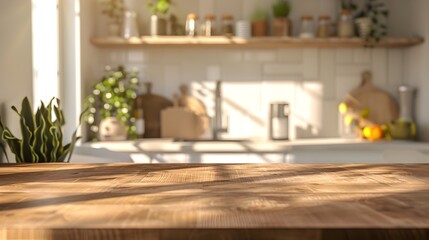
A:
314,81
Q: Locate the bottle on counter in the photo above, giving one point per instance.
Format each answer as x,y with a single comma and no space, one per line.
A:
139,116
227,25
345,25
307,27
208,28
324,27
191,28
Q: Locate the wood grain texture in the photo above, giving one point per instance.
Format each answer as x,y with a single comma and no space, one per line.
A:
258,42
267,201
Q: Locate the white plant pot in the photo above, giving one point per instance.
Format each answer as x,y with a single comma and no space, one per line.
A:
158,26
364,26
111,129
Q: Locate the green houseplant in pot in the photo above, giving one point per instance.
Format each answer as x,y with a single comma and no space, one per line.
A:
111,105
42,136
158,20
371,21
282,25
114,10
259,23
348,5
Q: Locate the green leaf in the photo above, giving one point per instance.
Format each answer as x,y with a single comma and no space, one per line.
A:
25,151
27,114
14,144
2,144
74,137
55,144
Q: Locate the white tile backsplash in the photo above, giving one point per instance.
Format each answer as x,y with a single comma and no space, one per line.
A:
283,69
291,55
313,81
379,67
327,72
259,56
311,64
395,76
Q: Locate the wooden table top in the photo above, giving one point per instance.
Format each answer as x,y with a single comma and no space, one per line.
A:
266,201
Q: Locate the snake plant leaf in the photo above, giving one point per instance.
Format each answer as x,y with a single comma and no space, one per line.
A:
59,116
27,114
55,144
65,153
24,151
3,150
14,144
2,147
75,138
38,144
59,123
48,138
42,137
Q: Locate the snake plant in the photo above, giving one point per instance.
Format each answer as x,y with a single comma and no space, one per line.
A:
42,135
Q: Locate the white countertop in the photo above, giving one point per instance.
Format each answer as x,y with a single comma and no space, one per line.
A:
331,151
257,146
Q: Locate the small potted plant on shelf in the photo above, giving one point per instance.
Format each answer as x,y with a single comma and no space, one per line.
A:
348,5
282,25
114,10
371,21
42,135
158,20
259,23
111,106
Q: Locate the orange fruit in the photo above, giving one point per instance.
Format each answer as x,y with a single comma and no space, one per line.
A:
373,133
377,133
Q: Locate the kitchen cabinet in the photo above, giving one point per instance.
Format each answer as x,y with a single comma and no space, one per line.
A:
260,42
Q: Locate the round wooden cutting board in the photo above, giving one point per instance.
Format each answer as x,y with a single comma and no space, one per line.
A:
152,106
382,107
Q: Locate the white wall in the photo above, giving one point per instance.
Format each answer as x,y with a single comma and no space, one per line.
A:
15,55
314,81
417,60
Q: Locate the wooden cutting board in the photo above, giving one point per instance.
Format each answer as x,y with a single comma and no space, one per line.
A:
179,122
197,107
382,107
152,106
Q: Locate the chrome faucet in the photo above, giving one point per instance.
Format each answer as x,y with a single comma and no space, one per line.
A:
217,123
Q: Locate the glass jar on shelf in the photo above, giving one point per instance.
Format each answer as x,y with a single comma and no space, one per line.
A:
345,25
324,27
227,25
307,27
209,26
191,28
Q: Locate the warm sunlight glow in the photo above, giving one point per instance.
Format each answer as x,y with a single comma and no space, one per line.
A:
45,50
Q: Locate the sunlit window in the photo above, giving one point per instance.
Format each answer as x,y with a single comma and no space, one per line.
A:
45,50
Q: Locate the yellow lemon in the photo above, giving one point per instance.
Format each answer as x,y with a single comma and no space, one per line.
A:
348,120
366,132
342,108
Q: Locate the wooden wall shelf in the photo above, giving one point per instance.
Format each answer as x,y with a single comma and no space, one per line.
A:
264,42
